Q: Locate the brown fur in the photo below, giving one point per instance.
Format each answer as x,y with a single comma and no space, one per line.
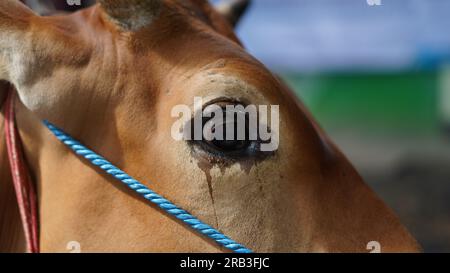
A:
113,89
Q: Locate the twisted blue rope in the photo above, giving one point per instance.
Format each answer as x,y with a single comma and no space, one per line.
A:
145,192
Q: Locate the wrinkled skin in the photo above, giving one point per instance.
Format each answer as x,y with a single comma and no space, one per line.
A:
113,89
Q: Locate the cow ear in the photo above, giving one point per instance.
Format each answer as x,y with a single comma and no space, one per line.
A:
31,46
233,10
15,21
131,15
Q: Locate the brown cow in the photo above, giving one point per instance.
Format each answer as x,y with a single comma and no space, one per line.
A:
109,75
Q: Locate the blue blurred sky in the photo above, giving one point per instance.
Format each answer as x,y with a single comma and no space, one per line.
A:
317,35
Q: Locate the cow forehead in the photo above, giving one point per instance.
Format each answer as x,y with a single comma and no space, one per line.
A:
238,80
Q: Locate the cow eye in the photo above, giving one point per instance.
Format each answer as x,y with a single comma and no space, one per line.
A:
230,141
236,140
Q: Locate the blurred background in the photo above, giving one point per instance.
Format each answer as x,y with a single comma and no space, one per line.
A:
377,78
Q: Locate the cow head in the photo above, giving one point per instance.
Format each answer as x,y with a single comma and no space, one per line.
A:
111,76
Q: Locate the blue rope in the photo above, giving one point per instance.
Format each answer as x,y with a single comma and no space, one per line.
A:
145,192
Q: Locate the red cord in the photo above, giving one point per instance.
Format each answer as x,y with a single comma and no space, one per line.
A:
25,190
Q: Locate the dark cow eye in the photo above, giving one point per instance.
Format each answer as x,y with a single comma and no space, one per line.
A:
233,137
228,144
235,140
224,137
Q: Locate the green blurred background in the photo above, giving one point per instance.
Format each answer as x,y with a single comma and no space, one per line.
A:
372,103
